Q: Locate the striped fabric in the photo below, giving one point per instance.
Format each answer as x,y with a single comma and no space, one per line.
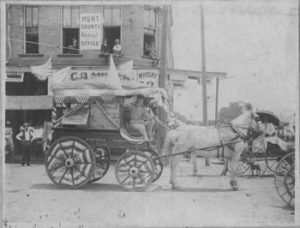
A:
104,95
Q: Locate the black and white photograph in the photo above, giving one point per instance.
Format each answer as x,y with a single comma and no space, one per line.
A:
149,113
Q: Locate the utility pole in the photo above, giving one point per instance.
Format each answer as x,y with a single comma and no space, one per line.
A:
162,71
203,78
217,100
163,48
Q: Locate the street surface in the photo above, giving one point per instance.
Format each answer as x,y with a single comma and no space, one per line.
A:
32,200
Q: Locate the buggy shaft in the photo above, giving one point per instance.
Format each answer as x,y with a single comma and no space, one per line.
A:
195,149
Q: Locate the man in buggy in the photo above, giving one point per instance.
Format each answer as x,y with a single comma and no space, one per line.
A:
141,118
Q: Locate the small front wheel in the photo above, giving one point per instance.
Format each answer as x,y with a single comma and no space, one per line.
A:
134,171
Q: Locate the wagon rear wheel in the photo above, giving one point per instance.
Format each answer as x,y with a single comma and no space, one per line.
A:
134,171
158,166
284,179
102,159
70,162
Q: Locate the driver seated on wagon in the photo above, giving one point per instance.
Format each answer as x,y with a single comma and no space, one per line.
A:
141,118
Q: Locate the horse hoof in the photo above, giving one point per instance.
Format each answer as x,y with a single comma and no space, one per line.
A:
234,185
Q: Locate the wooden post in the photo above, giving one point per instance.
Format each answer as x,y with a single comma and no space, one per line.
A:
162,72
203,78
163,49
217,101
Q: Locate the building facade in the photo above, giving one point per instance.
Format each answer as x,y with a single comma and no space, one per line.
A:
35,32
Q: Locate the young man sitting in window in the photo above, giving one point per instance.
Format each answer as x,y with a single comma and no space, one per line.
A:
117,47
73,48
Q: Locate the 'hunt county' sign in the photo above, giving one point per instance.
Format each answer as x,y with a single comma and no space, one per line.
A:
90,31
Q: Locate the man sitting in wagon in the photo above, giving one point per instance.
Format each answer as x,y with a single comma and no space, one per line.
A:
141,119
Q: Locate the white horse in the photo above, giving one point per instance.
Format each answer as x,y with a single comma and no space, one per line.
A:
212,142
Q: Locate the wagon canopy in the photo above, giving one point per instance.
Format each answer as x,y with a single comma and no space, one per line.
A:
84,95
269,117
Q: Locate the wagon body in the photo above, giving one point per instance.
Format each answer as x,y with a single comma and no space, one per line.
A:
98,138
89,129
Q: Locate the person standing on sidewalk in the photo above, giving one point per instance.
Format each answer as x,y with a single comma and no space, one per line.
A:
25,136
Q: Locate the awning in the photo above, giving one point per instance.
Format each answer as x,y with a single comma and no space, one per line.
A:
28,102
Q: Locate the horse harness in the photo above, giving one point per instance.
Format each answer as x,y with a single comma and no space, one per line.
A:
224,143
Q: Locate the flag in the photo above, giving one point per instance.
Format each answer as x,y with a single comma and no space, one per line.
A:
113,77
61,76
125,71
42,72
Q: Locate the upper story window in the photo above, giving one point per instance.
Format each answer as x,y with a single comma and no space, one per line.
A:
71,16
149,32
111,25
31,29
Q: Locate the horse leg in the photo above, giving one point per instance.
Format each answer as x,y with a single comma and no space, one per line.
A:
233,160
174,165
225,167
194,160
207,162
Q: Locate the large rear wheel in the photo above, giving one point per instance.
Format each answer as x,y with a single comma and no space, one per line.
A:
70,162
284,179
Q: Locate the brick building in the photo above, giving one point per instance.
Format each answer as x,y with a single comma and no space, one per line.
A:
36,31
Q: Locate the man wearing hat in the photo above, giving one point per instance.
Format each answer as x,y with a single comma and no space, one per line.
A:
25,136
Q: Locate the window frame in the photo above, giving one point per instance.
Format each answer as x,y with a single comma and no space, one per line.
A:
152,30
62,29
113,26
31,26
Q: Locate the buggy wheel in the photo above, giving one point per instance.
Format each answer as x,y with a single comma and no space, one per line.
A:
158,166
284,179
242,167
70,162
102,161
134,171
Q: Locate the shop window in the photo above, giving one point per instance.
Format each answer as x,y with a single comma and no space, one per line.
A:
71,29
111,24
31,30
149,32
30,86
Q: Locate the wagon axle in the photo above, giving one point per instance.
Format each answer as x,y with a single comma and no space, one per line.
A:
69,163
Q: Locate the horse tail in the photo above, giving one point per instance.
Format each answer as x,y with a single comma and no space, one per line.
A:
168,143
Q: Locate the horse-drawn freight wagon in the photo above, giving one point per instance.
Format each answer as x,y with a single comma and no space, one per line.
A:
89,129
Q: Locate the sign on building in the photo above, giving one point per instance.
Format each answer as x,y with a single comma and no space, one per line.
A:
14,76
148,77
90,31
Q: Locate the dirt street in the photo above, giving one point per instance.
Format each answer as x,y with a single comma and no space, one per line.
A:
32,200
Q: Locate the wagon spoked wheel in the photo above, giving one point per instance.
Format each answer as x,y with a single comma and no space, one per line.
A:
134,171
272,159
242,166
158,166
70,162
284,179
102,159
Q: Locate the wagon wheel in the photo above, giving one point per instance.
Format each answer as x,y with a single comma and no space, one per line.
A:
284,179
158,166
252,163
242,166
70,162
134,171
272,159
102,158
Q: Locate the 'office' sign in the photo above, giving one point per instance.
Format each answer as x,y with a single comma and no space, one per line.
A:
90,31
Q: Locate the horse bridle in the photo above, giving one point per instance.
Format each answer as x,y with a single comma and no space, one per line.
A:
236,128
